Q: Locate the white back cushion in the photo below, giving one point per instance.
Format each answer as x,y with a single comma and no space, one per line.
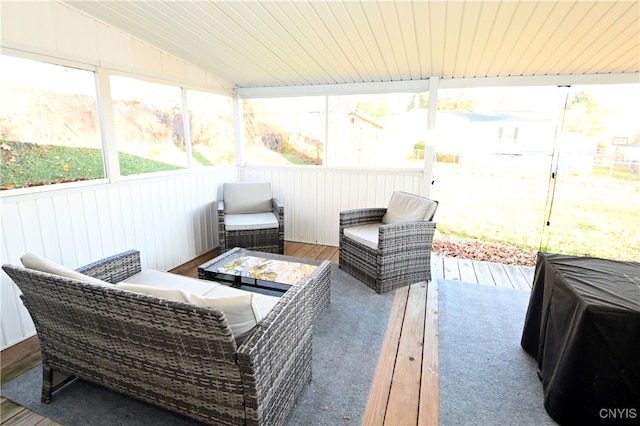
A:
247,197
155,278
241,311
38,263
405,207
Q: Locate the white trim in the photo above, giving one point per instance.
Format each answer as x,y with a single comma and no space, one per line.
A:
42,57
162,79
417,86
382,87
540,80
153,77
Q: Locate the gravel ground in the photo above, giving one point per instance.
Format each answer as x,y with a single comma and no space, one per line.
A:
468,248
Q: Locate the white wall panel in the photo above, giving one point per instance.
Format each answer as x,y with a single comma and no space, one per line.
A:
170,219
59,31
314,196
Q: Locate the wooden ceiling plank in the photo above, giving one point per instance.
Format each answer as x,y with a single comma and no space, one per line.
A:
420,29
304,15
477,59
375,22
229,21
602,30
436,23
320,42
368,40
397,54
340,32
272,39
515,45
499,38
470,21
406,14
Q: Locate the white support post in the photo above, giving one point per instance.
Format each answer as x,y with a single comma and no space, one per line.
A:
107,126
186,128
430,148
238,117
326,144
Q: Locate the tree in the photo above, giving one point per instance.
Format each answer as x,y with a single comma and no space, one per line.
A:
454,102
376,108
584,115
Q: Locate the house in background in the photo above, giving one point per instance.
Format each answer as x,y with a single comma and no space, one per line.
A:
254,50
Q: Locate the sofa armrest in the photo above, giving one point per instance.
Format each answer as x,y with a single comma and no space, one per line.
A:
115,268
275,359
405,236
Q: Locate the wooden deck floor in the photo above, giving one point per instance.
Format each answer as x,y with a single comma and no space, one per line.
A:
405,388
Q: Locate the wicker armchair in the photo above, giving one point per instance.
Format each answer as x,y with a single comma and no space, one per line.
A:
249,217
178,356
387,248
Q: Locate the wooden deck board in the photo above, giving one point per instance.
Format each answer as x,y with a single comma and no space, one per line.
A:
517,279
451,270
437,267
500,277
467,271
429,404
527,272
381,385
404,394
483,273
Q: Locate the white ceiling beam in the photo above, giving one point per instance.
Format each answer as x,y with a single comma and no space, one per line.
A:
417,86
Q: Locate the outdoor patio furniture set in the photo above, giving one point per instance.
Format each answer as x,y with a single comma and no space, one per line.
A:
238,353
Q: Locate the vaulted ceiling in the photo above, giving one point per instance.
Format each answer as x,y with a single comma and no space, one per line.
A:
318,42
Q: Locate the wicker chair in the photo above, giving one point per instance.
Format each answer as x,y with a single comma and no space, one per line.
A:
249,217
387,248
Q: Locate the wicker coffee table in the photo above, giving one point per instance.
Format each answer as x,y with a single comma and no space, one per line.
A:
269,273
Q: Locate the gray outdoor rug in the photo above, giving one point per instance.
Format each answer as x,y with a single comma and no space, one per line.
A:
348,336
486,378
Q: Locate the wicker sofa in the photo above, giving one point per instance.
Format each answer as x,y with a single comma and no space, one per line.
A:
175,355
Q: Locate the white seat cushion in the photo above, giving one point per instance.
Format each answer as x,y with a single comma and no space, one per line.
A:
405,207
38,263
160,279
242,309
247,222
364,234
247,197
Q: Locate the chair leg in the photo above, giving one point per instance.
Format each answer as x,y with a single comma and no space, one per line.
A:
47,383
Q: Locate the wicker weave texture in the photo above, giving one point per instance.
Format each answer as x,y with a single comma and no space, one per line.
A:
270,240
177,356
403,256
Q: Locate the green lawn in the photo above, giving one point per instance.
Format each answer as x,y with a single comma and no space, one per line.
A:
25,164
594,215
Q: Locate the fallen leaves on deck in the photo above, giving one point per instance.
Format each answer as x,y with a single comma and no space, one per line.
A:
468,248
